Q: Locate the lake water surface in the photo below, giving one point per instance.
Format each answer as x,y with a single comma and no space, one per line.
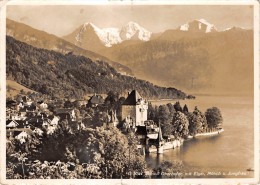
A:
228,154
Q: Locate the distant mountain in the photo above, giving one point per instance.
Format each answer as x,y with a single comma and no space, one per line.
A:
41,39
218,62
69,75
133,31
234,28
200,25
89,36
195,57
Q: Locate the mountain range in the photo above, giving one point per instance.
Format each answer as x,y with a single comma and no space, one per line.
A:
89,36
194,57
218,62
41,39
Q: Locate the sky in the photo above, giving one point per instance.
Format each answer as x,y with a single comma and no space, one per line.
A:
64,19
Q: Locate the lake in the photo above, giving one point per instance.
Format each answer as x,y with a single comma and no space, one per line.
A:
228,154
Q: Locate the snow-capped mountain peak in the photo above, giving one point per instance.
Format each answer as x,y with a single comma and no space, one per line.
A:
89,24
132,30
111,36
199,25
107,36
234,28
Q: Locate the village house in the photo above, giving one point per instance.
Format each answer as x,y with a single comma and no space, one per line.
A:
21,134
54,120
28,108
20,106
42,105
95,100
26,100
16,124
79,103
66,114
15,116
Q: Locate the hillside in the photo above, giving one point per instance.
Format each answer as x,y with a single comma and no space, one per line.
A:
13,88
219,62
41,39
59,75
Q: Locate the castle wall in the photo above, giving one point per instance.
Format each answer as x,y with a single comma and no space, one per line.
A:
128,110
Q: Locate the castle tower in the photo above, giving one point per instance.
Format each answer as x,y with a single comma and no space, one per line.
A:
136,108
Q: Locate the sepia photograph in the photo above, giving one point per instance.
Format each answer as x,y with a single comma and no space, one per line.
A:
129,92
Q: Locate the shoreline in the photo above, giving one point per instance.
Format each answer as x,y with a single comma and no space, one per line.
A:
207,133
179,142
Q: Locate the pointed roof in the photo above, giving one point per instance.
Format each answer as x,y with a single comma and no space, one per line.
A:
132,98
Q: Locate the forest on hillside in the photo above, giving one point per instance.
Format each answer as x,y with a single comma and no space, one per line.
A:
69,75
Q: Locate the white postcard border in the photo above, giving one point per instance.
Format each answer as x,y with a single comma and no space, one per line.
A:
3,179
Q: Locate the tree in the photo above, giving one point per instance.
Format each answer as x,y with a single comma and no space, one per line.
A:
185,109
68,104
111,99
180,125
163,114
171,109
99,119
151,111
177,106
109,149
77,104
214,117
167,129
22,92
197,121
118,107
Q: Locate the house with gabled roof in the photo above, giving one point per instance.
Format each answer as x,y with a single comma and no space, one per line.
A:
66,114
22,134
39,122
11,124
16,124
54,120
95,100
42,105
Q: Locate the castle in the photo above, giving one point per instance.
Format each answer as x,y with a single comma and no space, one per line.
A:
134,116
134,109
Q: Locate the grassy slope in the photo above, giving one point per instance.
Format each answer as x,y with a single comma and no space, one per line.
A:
13,88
